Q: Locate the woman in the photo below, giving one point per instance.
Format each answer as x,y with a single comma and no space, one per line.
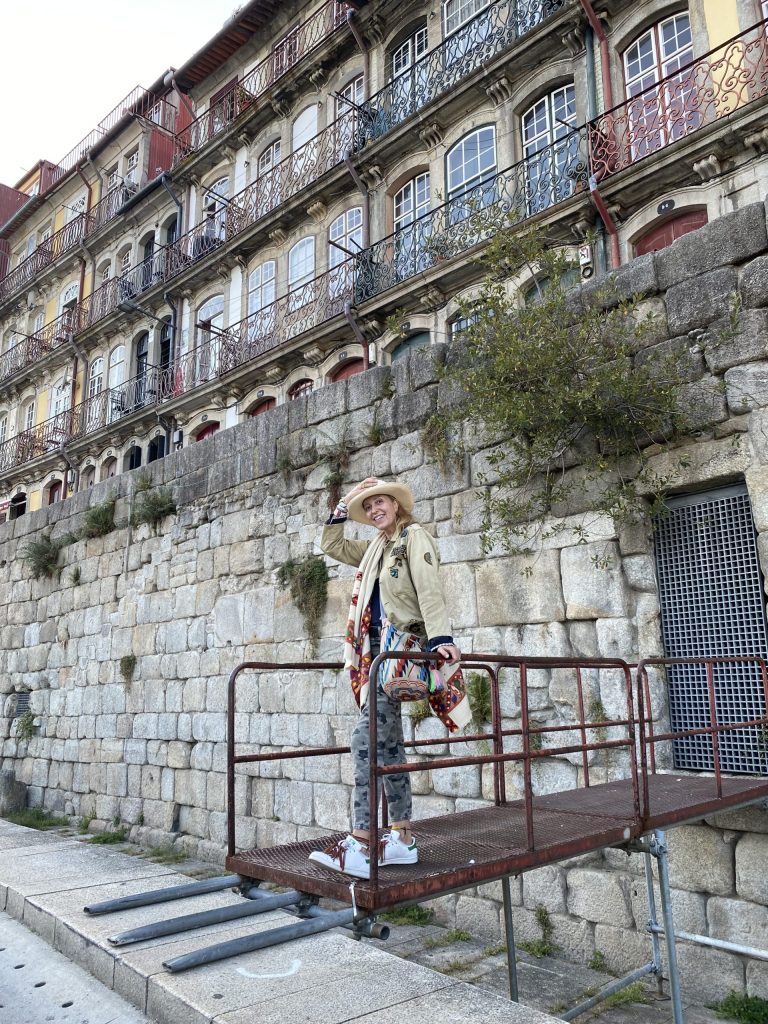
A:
396,591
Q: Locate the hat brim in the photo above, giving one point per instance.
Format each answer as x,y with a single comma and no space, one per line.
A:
400,492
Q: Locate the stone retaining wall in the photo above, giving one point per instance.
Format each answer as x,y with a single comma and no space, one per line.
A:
199,595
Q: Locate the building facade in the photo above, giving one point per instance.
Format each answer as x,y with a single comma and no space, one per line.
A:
238,234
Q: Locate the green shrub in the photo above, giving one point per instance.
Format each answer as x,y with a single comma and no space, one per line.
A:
308,583
25,726
127,667
479,697
36,817
108,838
152,506
745,1009
42,556
99,520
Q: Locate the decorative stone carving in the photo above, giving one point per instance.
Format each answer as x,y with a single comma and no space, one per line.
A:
278,235
281,105
317,211
708,168
432,298
757,141
499,90
431,134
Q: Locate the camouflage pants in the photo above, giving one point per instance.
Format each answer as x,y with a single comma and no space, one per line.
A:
389,740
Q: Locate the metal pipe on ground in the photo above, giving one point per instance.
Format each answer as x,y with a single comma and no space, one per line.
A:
173,892
615,986
249,943
189,922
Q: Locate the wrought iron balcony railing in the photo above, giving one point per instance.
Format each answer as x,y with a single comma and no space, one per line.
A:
45,254
705,91
103,409
263,331
286,53
529,187
491,32
21,355
270,190
107,208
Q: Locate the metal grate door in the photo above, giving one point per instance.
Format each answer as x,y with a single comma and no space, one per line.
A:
712,604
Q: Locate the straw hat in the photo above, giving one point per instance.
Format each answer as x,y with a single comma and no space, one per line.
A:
400,492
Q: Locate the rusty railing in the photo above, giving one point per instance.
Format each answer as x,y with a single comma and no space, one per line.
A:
285,54
707,90
38,440
45,254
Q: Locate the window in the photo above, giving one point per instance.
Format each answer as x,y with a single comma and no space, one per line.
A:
661,235
96,377
409,86
471,173
108,468
346,231
18,506
61,395
208,430
301,387
131,176
113,178
551,149
3,428
68,297
31,245
261,296
301,271
462,324
411,344
28,415
215,209
764,9
156,448
458,12
74,209
286,52
348,368
87,478
659,113
346,108
55,491
210,320
166,348
116,378
269,157
132,458
104,273
39,323
262,406
408,52
125,261
409,203
269,194
304,130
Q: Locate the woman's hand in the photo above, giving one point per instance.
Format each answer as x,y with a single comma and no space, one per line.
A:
450,652
369,481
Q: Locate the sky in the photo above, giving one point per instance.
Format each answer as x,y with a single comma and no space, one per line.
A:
66,65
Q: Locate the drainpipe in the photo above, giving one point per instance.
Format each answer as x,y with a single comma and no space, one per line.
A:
75,471
355,29
165,178
170,79
357,333
366,200
605,56
589,43
610,224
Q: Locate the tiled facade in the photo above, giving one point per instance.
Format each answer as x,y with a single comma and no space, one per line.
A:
239,233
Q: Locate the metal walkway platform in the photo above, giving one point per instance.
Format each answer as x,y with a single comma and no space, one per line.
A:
469,848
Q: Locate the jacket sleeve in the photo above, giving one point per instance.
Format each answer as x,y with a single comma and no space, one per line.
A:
336,545
423,564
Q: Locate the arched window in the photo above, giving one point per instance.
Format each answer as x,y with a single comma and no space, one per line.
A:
301,387
18,506
166,346
262,312
471,172
461,37
304,130
411,249
142,354
3,428
420,339
550,148
108,468
96,377
55,491
215,204
171,230
119,400
347,102
87,478
347,369
269,193
210,320
28,415
405,54
156,448
262,406
104,272
208,430
457,13
132,458
149,270
68,297
409,80
61,395
659,114
659,236
301,272
345,233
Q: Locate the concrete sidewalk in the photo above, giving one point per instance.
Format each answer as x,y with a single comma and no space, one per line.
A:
47,879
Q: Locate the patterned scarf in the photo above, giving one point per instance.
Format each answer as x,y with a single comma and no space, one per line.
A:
449,703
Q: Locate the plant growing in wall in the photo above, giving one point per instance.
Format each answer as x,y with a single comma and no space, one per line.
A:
99,520
307,580
152,505
127,667
571,390
335,457
42,556
25,726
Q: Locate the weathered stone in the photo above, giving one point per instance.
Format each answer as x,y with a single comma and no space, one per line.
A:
599,898
747,387
753,282
545,887
700,860
462,781
508,595
13,793
751,876
727,240
726,346
593,583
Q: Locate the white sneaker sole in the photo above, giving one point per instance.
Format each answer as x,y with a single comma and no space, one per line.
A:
318,857
411,858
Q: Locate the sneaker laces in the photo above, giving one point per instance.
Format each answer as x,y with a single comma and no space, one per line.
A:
338,850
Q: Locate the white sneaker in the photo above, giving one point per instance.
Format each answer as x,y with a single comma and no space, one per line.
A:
348,856
393,850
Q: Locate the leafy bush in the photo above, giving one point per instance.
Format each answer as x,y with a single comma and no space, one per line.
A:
25,726
152,506
127,667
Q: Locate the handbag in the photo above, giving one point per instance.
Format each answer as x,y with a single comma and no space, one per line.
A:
403,679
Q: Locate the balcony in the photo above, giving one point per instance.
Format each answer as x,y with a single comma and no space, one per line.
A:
45,254
711,88
286,53
468,50
261,197
300,310
46,437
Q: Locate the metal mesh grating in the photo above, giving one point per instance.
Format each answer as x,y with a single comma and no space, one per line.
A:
712,604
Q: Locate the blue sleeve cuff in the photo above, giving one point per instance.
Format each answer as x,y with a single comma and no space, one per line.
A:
438,641
331,521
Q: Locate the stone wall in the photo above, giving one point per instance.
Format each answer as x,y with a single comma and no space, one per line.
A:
197,596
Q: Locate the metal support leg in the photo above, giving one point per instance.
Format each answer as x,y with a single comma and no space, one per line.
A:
174,892
509,934
659,851
653,924
248,943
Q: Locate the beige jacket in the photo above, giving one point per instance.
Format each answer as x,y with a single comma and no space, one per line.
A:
409,581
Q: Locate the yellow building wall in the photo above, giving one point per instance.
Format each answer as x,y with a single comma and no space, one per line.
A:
35,500
41,413
722,20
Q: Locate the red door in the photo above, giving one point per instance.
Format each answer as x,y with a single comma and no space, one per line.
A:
664,234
